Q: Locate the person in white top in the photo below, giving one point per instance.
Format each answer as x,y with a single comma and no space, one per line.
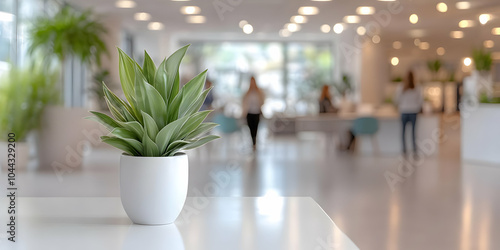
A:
409,100
252,103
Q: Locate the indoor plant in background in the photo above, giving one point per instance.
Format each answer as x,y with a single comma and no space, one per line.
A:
24,94
152,126
70,37
481,76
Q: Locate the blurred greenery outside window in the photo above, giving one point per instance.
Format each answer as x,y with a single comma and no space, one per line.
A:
290,73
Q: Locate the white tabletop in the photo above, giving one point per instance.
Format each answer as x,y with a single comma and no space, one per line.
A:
206,223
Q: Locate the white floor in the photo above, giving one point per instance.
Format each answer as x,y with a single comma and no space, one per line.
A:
438,202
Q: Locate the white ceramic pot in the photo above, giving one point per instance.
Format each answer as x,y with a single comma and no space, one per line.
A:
153,189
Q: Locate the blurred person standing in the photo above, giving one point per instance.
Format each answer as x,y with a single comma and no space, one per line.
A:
325,101
409,101
252,104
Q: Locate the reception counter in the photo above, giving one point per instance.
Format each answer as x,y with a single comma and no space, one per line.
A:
386,141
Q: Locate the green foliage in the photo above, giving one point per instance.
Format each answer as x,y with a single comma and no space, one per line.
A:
434,66
24,93
96,89
68,33
482,60
345,86
158,118
483,98
397,79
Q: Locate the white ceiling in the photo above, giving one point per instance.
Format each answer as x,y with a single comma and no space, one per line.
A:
269,16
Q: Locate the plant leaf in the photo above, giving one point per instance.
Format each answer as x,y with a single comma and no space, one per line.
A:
202,141
114,111
176,145
124,133
160,82
196,105
127,76
105,120
202,129
172,67
119,104
150,126
191,91
149,100
120,144
150,148
192,123
149,68
165,135
133,126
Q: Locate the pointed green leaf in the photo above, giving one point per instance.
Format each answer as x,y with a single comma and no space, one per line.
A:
196,105
191,91
202,129
114,111
176,145
150,126
172,66
149,68
150,148
160,82
124,133
120,144
105,120
119,104
173,108
202,141
127,76
133,126
193,122
149,100
164,137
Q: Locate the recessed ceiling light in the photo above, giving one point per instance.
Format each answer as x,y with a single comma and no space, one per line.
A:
484,18
397,45
308,10
376,39
292,27
489,44
155,26
442,7
416,42
190,10
142,16
242,23
394,61
338,28
365,10
495,31
462,5
467,61
125,4
247,28
361,30
466,24
457,34
440,51
285,33
424,46
325,28
196,19
352,19
298,19
413,18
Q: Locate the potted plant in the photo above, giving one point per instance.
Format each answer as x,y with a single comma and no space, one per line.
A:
482,76
152,126
24,94
68,35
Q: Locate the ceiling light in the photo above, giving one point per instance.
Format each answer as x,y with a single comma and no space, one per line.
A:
298,19
242,23
440,51
397,45
376,39
467,61
424,46
196,19
496,31
466,24
190,10
247,28
413,18
292,27
325,28
484,18
285,33
338,28
416,42
361,30
351,19
394,61
6,17
442,7
462,5
457,34
142,16
365,10
126,4
155,26
308,10
489,44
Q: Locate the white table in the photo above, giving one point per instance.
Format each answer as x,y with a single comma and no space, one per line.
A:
205,223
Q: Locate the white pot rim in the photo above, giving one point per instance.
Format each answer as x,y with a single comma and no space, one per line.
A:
178,155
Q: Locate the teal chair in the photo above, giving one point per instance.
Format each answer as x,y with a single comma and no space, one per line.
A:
366,126
227,125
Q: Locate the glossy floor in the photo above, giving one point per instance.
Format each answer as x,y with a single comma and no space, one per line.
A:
380,202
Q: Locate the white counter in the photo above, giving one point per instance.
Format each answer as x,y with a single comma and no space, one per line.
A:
272,223
481,133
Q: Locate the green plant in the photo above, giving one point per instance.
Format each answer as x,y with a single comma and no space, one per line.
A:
345,86
68,33
96,89
157,119
482,60
24,93
434,66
